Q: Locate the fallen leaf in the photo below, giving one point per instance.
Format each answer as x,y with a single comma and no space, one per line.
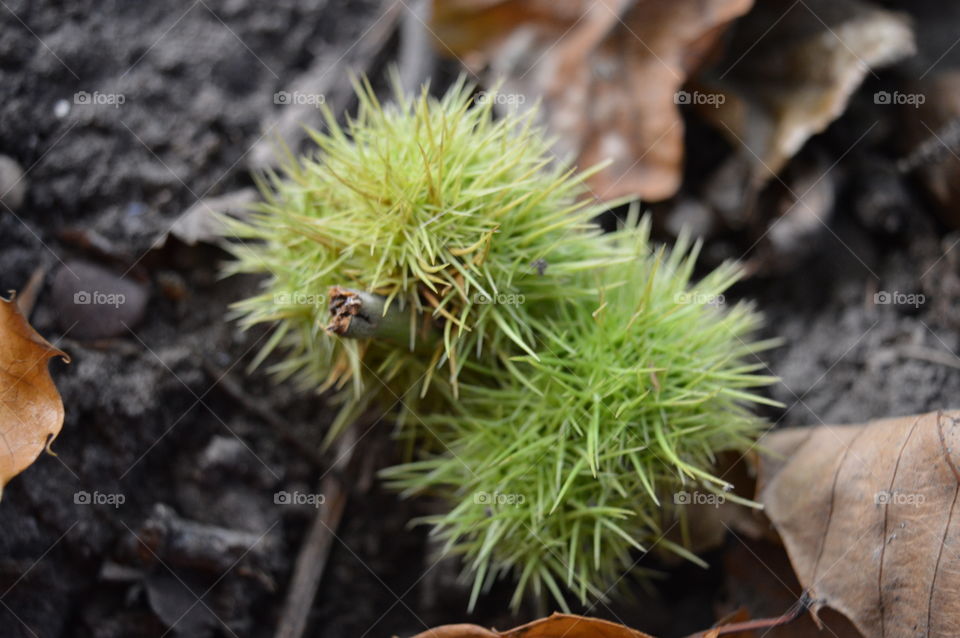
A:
608,72
201,222
759,578
790,69
868,515
554,626
31,411
570,626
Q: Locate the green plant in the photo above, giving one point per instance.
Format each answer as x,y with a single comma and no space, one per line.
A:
435,206
567,381
557,476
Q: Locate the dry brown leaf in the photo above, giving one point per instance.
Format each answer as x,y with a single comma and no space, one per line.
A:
791,68
868,514
31,411
759,577
571,626
608,72
555,626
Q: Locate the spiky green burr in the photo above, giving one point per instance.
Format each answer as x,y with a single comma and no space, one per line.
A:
438,207
563,383
560,474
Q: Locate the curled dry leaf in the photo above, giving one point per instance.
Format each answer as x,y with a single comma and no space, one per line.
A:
790,69
203,222
31,411
608,72
759,577
571,626
870,519
555,626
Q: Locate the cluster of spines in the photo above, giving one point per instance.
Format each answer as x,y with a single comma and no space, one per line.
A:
606,380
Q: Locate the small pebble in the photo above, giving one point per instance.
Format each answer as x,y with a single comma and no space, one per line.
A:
61,109
135,209
93,302
222,452
13,184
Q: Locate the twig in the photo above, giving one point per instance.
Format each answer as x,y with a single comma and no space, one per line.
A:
930,355
802,605
415,58
362,315
315,550
355,314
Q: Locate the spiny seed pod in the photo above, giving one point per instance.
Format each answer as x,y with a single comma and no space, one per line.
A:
557,473
436,208
442,260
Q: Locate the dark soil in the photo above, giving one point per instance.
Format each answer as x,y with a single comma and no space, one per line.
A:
149,413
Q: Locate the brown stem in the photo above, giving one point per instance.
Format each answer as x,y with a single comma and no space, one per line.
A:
363,315
761,623
312,558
